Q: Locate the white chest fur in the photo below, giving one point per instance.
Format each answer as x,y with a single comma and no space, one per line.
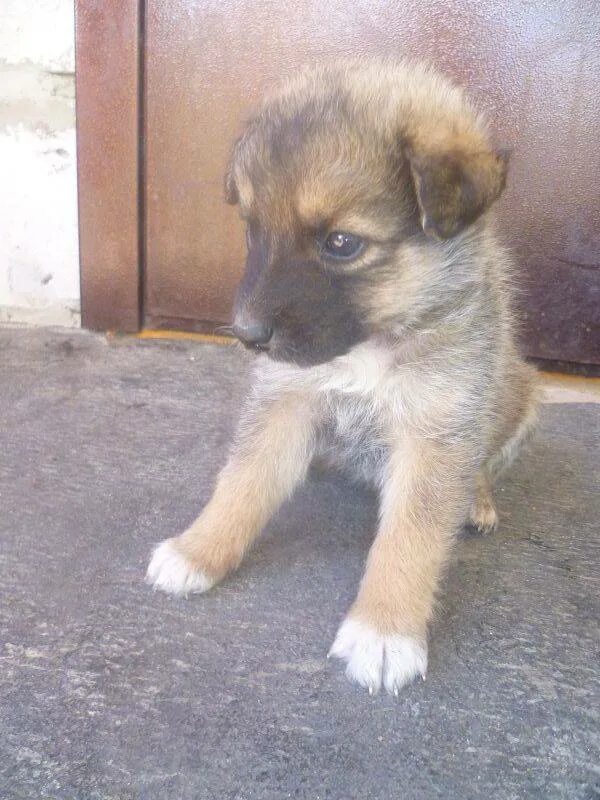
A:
365,370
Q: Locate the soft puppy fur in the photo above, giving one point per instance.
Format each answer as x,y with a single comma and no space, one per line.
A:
378,299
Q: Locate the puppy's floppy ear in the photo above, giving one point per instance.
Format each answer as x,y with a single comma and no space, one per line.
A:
455,186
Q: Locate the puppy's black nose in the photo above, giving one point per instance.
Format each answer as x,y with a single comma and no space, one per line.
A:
253,333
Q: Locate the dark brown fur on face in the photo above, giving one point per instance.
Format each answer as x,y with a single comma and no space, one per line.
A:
397,362
328,158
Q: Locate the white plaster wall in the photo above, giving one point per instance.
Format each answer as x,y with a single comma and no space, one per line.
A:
39,260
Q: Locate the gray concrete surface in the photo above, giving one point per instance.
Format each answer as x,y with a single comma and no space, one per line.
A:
108,690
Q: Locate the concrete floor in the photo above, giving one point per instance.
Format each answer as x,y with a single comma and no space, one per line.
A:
108,690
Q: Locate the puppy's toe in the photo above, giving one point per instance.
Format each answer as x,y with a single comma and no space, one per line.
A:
405,660
170,571
373,660
362,649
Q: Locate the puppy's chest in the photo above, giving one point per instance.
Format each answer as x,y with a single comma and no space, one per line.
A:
363,405
356,417
355,436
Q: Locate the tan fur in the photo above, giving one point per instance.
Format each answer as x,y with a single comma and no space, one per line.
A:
483,512
435,403
423,503
270,459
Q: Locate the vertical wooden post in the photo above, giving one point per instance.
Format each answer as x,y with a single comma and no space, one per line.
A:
108,80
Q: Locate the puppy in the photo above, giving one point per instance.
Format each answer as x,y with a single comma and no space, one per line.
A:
378,300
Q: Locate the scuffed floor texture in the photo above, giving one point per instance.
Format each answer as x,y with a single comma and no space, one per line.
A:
109,690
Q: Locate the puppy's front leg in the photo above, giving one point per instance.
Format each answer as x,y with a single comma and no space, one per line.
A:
384,637
269,458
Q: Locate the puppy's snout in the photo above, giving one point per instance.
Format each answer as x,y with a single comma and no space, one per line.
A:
253,332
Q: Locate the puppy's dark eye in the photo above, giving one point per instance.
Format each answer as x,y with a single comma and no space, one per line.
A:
342,245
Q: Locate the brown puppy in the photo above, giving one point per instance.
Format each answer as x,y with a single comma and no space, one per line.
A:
378,298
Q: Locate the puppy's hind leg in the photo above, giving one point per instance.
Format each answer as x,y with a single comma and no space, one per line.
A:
518,433
482,515
270,457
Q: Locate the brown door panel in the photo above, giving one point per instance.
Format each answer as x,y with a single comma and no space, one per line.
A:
535,67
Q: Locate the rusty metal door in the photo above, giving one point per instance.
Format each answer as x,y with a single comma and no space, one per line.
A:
535,67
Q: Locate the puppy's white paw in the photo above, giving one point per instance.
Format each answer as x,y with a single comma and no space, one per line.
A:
372,659
170,571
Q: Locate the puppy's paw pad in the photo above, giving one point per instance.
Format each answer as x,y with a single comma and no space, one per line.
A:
373,660
170,571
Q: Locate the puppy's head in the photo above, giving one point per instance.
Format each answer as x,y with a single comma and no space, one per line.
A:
352,180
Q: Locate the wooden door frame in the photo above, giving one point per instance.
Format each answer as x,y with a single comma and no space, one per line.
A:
109,82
